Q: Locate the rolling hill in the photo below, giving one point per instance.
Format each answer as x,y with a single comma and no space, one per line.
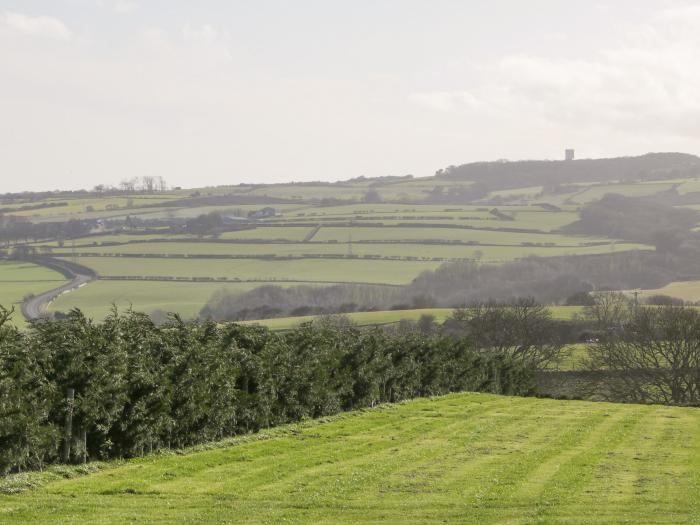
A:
383,231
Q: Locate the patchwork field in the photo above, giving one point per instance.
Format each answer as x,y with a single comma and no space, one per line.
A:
384,231
463,458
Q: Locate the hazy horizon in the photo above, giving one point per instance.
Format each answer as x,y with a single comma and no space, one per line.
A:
96,91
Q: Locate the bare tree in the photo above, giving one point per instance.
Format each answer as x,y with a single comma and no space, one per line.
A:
128,185
523,331
148,183
652,357
609,310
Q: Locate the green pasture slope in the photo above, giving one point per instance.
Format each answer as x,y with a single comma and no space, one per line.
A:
463,458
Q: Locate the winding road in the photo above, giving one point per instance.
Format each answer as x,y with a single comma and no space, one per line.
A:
35,307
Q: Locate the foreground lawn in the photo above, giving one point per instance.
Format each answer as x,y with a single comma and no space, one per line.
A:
467,458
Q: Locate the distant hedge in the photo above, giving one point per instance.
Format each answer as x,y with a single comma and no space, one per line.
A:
74,390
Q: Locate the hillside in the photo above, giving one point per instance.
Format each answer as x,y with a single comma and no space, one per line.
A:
174,250
468,458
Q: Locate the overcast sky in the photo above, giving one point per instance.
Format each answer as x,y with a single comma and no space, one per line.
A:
222,91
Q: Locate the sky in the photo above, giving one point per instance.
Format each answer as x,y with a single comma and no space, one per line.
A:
218,92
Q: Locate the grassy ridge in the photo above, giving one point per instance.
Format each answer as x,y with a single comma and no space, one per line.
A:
464,458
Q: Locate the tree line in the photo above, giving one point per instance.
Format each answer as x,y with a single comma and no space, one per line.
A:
550,280
14,230
73,390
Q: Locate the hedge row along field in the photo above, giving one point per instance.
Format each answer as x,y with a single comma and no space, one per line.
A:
73,390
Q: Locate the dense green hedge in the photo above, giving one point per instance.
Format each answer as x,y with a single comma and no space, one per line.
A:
140,387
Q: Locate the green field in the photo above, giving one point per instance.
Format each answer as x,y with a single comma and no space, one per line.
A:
311,270
628,190
449,234
80,206
686,290
383,249
517,193
19,279
387,242
184,298
384,317
463,458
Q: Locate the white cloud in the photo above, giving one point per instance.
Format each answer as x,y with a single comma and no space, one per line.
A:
118,6
446,100
648,82
125,6
35,26
205,34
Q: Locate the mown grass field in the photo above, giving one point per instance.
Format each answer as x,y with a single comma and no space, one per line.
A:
19,279
463,458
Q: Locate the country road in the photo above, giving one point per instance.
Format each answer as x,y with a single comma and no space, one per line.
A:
35,307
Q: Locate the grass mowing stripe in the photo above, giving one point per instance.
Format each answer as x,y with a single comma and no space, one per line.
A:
626,465
557,493
585,435
280,461
500,459
463,458
362,458
416,447
457,451
616,475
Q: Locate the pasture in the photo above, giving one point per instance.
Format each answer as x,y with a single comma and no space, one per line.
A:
462,458
341,234
386,317
685,290
184,298
485,253
19,279
303,270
